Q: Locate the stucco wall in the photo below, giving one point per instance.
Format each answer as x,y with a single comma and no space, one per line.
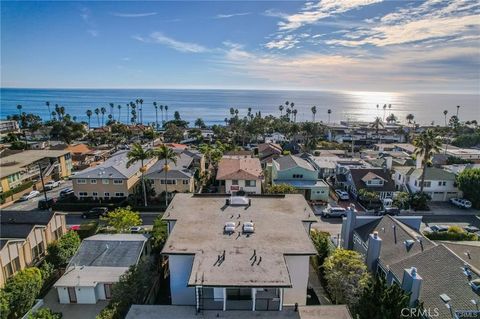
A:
257,189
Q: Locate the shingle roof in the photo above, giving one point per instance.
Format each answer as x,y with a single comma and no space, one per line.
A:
270,148
291,161
122,250
433,174
178,170
239,168
359,173
441,271
26,217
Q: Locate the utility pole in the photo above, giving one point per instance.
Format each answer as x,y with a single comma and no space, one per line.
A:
43,183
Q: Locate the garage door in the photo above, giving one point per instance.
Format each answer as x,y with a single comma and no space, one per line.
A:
438,196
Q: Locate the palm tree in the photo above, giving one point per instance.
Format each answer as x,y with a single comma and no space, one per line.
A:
166,113
89,115
166,154
139,154
377,124
161,111
426,145
458,108
384,109
128,112
410,118
119,111
329,111
294,114
445,116
97,112
19,108
280,107
314,112
141,110
112,106
377,108
54,115
49,112
103,111
156,115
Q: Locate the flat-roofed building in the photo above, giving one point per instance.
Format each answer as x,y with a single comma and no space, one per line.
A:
24,238
8,127
238,253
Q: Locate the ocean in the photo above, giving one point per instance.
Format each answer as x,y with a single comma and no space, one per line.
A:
213,105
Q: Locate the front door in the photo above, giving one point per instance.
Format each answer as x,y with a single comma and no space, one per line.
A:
108,291
72,295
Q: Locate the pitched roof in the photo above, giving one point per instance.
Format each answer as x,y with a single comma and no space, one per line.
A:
239,168
291,161
118,250
178,170
359,173
269,147
441,271
370,176
432,174
19,224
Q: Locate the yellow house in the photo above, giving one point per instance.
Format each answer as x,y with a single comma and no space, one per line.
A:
19,168
24,238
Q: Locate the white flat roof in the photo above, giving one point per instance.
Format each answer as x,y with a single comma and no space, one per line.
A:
85,276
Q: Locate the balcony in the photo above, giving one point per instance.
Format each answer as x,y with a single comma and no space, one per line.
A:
239,299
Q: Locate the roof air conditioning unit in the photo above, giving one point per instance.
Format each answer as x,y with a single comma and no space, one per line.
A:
248,227
239,200
229,227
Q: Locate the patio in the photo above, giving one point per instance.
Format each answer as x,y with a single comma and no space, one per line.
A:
73,311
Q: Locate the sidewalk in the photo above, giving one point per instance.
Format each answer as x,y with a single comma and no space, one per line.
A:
314,283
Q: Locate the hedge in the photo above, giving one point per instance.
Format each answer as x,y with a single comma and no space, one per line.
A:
88,229
84,206
453,236
15,190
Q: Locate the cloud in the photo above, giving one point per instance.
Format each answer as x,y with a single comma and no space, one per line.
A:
288,42
160,38
86,16
415,24
231,15
133,15
93,33
313,12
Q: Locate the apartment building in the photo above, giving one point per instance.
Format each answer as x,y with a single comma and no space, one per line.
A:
238,173
24,166
9,127
111,179
238,253
24,238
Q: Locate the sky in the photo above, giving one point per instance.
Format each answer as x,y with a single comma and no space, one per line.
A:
348,45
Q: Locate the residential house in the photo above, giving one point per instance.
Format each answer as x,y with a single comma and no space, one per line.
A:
268,151
97,265
276,138
82,155
434,274
24,166
244,253
375,180
302,175
469,154
9,127
110,179
439,183
24,238
179,177
240,174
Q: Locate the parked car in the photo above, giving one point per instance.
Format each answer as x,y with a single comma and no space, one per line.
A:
460,202
95,212
436,228
471,229
51,185
136,229
67,192
392,211
342,195
30,195
46,204
334,211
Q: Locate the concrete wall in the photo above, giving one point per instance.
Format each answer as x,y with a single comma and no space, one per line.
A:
180,269
85,295
100,291
257,189
298,268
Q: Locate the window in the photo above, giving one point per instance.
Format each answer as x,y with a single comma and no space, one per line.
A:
427,184
37,251
93,181
169,182
81,181
297,175
106,195
251,183
8,270
105,181
83,194
235,182
117,181
415,183
399,177
119,194
95,194
186,182
16,264
444,183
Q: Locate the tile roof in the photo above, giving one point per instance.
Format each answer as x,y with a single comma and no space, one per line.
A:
291,161
247,168
359,173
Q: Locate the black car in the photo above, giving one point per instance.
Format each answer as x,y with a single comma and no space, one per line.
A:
95,212
392,211
46,204
67,192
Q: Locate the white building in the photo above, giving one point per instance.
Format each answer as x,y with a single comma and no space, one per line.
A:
97,265
439,183
238,253
240,174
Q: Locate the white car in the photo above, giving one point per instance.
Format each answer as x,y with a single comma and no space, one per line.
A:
51,185
30,195
343,195
460,202
334,211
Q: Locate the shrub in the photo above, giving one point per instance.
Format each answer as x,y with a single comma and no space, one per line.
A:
45,313
122,219
452,236
15,190
469,184
60,251
87,229
281,189
419,201
321,241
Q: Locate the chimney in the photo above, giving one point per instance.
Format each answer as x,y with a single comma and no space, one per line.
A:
348,225
373,251
412,283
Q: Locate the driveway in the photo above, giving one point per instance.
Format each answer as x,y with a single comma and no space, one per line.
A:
73,311
446,208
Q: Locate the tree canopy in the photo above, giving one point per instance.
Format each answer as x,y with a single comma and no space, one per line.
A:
122,219
469,184
60,251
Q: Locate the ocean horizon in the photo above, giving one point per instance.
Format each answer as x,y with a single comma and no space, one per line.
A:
213,105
